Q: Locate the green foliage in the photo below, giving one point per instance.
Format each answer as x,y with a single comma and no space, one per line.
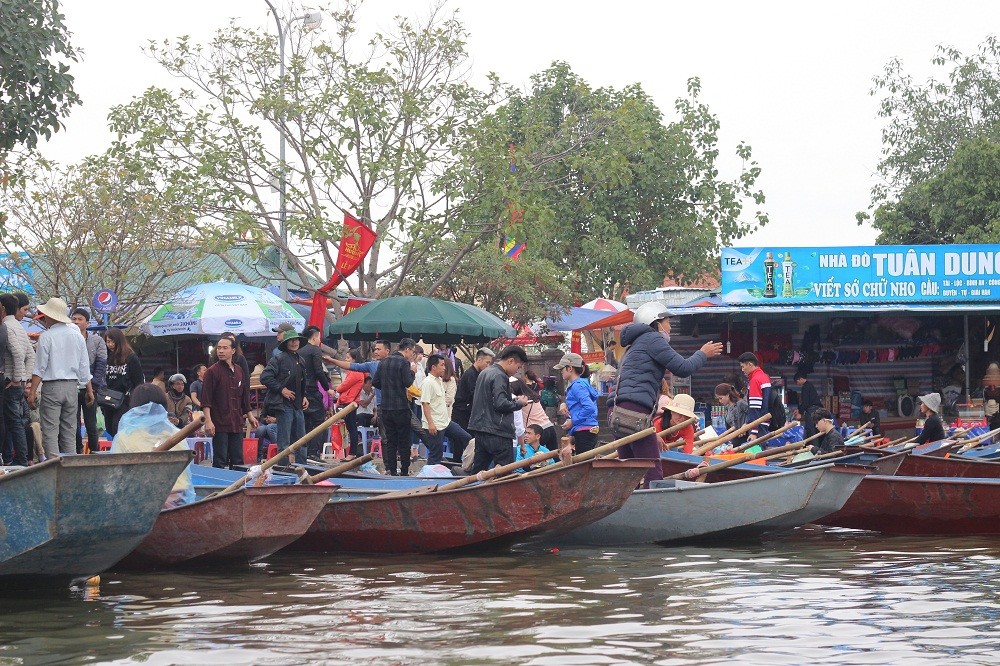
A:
939,154
367,129
36,88
612,196
961,204
92,225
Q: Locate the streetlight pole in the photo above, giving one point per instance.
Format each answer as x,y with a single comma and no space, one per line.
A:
310,20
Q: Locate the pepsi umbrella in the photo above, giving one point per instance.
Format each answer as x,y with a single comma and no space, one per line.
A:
214,308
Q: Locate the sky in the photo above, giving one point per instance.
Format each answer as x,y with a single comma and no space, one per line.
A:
792,79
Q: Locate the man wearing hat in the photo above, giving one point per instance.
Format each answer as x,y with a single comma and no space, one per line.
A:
930,407
63,364
285,380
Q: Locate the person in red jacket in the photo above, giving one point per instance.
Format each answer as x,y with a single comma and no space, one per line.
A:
349,391
758,393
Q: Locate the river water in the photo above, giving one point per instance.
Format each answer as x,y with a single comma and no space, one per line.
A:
812,596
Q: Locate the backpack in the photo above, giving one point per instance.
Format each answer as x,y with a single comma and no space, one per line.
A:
777,409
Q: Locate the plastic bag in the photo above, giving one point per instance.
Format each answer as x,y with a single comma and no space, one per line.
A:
434,471
139,431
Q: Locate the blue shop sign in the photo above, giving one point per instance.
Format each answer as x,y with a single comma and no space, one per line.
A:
15,273
865,274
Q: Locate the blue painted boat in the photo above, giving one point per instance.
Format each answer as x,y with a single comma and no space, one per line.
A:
75,516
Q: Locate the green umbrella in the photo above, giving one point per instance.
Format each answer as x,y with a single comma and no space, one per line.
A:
420,317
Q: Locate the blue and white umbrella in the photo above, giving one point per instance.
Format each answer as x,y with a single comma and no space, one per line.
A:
214,308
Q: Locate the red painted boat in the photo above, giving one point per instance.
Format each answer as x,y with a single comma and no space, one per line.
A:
922,505
953,466
242,526
554,501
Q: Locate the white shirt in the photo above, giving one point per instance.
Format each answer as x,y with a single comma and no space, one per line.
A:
432,393
370,407
62,354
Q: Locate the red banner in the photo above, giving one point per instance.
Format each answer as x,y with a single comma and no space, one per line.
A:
355,243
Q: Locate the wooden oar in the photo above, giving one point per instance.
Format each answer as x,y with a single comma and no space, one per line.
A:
338,470
712,443
832,454
291,448
772,453
762,439
180,435
976,441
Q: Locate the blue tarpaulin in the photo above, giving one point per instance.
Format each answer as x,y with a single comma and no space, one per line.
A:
576,319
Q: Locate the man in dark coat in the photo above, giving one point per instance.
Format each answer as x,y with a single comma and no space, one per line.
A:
393,376
493,407
317,380
831,439
285,379
809,402
641,370
462,409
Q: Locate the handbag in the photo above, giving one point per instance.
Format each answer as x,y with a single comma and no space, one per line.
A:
109,398
624,421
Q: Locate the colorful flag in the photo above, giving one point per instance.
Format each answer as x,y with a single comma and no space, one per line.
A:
355,242
513,250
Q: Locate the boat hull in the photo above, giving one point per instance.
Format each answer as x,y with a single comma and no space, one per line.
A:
75,516
686,510
496,514
238,527
922,505
954,466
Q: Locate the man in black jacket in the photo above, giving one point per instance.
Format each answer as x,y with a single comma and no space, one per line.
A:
317,379
285,379
393,376
462,409
493,407
809,402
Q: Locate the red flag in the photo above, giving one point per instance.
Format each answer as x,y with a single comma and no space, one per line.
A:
355,243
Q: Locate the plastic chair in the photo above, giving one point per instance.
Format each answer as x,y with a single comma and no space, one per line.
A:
367,435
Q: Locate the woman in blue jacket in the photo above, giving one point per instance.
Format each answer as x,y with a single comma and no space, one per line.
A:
581,402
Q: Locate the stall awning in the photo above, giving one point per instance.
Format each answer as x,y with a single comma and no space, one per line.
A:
577,319
615,319
860,309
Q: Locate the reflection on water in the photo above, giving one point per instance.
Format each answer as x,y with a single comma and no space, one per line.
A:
814,596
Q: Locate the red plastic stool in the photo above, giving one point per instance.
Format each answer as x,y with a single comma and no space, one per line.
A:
272,450
103,445
376,447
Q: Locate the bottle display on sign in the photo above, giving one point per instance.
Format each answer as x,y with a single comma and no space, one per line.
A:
787,268
769,267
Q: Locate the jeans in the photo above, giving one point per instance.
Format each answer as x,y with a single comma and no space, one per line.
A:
291,428
458,439
397,440
267,434
15,412
227,449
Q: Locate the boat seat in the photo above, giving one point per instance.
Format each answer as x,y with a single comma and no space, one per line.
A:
663,483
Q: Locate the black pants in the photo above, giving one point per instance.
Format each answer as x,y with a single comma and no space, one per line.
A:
550,439
492,449
809,422
89,413
397,440
313,418
353,436
113,416
584,440
461,417
227,449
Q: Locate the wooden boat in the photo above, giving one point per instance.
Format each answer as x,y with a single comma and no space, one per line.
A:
911,505
674,511
922,505
238,527
952,466
493,514
75,516
675,462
